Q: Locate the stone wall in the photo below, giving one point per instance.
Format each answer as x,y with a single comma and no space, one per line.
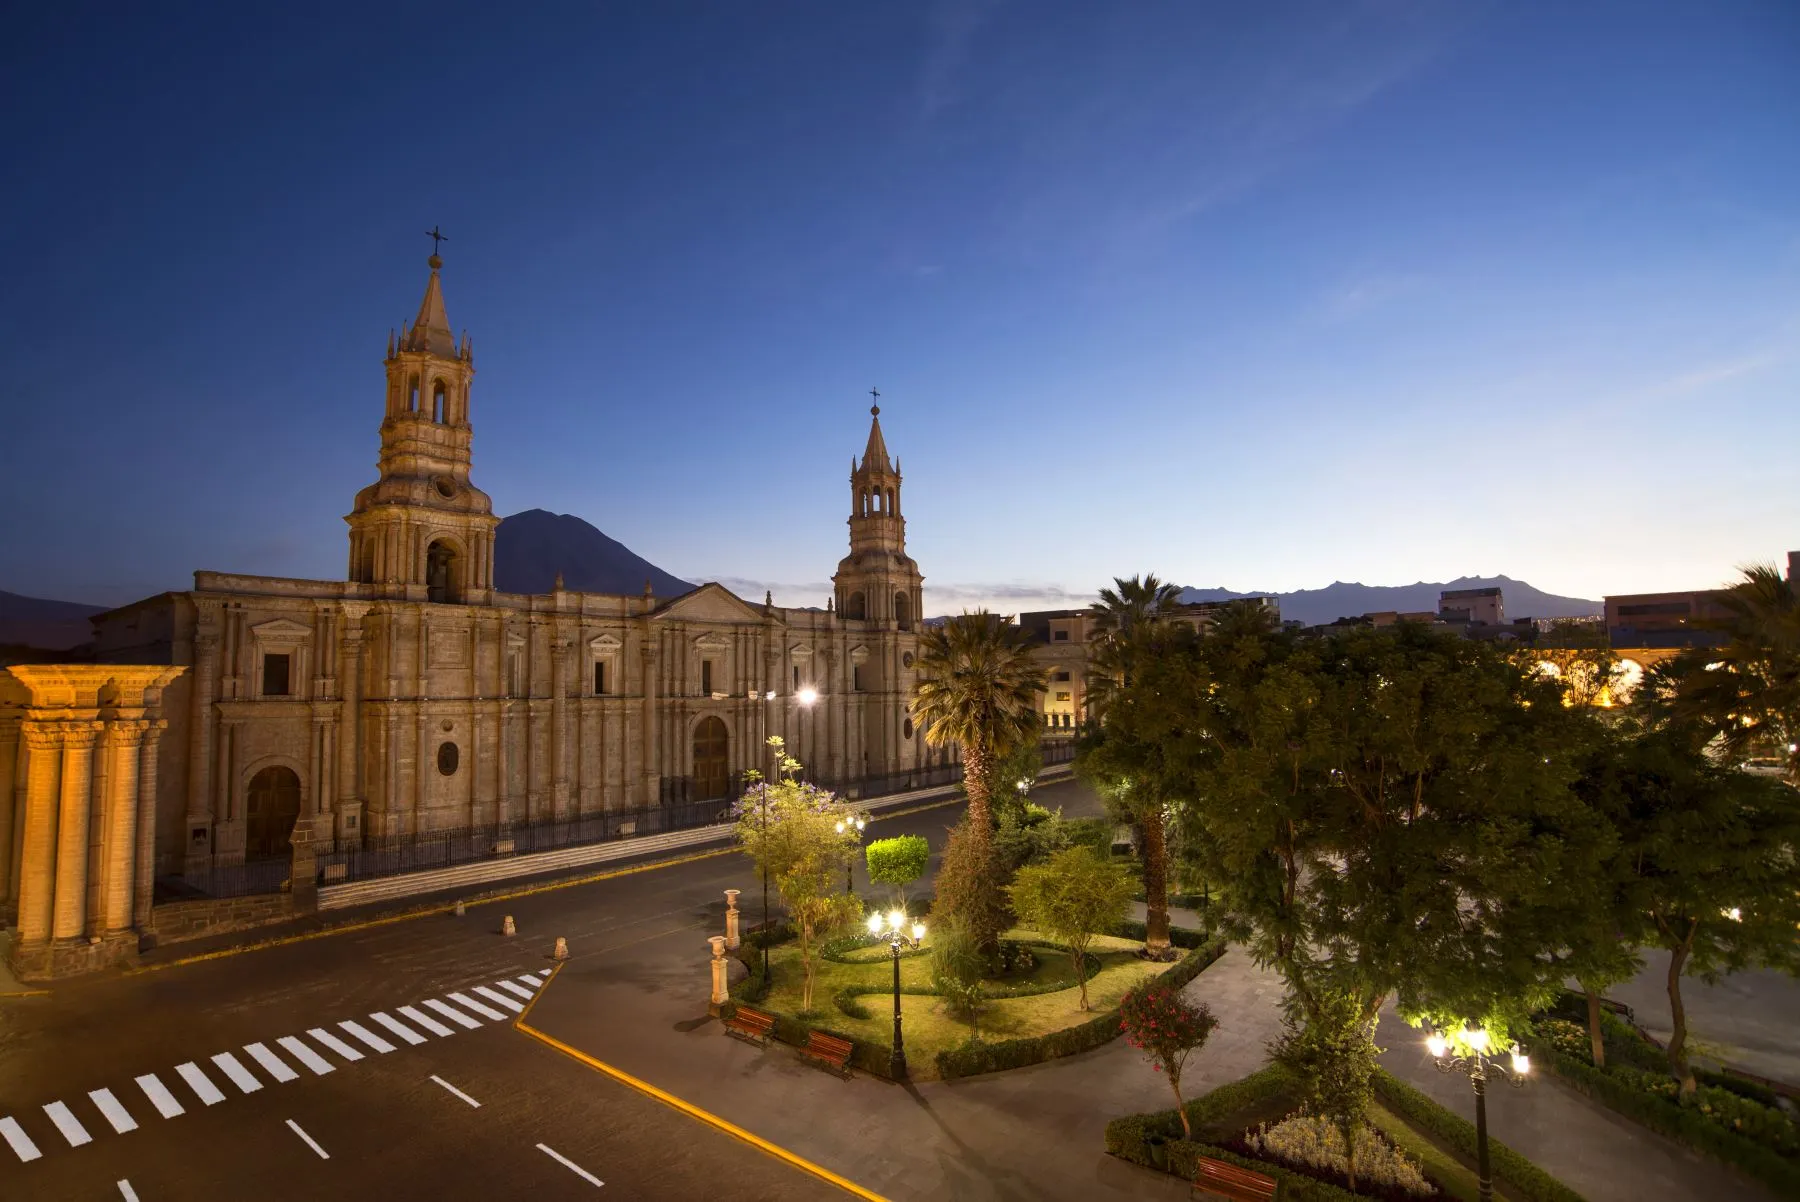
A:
174,922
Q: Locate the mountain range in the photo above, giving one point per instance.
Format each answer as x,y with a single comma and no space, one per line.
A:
1319,606
530,548
37,622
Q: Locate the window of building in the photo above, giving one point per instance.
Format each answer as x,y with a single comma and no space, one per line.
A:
1062,696
448,757
796,678
1060,677
856,677
437,402
1059,636
599,677
906,729
706,677
275,674
515,675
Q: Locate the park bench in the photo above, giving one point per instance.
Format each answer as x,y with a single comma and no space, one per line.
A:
751,1025
1229,1181
828,1050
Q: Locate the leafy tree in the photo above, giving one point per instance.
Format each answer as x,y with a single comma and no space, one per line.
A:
1332,1051
898,862
1022,763
819,910
1029,836
970,886
957,966
1167,1028
977,687
1131,603
1074,897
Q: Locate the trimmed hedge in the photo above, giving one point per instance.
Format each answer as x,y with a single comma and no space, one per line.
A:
973,1059
1182,937
1521,1177
1676,1122
1127,1138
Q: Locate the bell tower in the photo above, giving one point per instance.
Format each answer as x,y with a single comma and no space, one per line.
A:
877,582
422,532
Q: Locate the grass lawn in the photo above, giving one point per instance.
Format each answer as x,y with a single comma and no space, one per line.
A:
929,1028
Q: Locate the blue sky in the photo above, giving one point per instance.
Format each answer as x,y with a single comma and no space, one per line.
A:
1261,296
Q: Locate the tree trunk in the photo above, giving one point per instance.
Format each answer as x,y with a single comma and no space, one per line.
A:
1678,1018
1079,957
1187,1129
1349,1130
978,769
1596,1044
1156,883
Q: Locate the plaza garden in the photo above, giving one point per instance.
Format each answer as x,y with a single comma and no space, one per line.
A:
1383,818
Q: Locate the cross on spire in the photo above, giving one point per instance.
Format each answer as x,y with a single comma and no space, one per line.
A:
875,409
436,238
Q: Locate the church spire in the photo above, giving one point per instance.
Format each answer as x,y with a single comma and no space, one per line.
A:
430,331
875,455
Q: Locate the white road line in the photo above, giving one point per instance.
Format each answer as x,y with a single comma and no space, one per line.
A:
459,1093
499,999
398,1028
450,1012
115,1114
305,1055
566,1163
21,1143
335,1044
68,1124
367,1036
310,1141
514,987
199,1083
272,1064
126,1192
159,1096
487,1012
531,979
234,1068
425,1020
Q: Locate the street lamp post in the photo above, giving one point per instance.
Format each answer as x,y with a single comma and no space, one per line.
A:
854,823
892,927
1476,1064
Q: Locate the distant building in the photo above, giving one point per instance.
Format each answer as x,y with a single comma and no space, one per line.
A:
1481,605
1663,620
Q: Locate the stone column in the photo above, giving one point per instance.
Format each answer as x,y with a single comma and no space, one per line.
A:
12,751
37,863
198,852
144,885
72,829
119,849
650,793
731,919
559,717
349,788
720,994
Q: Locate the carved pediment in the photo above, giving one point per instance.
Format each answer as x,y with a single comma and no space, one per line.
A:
281,630
859,654
713,642
801,652
710,603
604,644
514,640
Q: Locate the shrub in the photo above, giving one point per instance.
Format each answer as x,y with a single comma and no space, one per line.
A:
1512,1171
971,887
957,966
847,1004
1167,1028
1318,1142
897,862
1073,897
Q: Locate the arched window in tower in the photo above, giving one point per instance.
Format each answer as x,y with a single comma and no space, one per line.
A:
437,402
903,611
856,609
889,508
412,395
443,580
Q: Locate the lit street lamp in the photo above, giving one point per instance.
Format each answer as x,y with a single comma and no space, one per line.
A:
1476,1064
854,823
892,927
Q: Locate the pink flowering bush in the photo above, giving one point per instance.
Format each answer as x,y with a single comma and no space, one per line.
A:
1167,1028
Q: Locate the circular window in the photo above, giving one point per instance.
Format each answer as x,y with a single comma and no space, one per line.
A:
447,757
446,487
906,660
906,728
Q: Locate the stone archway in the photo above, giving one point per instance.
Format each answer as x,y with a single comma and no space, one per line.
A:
443,572
271,808
712,760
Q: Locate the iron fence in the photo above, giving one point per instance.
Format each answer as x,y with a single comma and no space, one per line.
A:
225,880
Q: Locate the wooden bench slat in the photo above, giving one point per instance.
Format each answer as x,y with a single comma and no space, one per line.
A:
1231,1181
751,1024
829,1049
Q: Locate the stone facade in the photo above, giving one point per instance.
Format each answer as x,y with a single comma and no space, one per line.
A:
412,696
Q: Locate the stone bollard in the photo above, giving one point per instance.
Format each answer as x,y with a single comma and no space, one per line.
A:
459,907
720,996
731,919
507,927
562,949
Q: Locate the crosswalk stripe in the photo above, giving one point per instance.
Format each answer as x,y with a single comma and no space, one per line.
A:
425,1020
487,1012
115,1114
272,1064
159,1096
200,1083
531,979
21,1143
452,1013
68,1124
397,1027
321,1035
367,1036
514,987
234,1068
305,1055
499,999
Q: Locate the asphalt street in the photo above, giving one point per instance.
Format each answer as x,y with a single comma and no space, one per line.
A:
378,1063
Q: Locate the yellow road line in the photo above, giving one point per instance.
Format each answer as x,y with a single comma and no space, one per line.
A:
25,993
426,911
688,1108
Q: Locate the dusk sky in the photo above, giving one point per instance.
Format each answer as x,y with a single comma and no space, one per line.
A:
1261,296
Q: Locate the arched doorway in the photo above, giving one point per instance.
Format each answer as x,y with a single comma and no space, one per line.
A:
902,611
712,759
441,583
270,813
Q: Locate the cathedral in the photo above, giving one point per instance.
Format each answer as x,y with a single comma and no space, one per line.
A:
413,697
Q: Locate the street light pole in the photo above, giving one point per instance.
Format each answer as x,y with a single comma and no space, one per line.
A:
855,825
1476,1065
892,925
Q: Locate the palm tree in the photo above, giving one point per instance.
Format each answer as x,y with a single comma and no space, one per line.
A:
1131,617
977,687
